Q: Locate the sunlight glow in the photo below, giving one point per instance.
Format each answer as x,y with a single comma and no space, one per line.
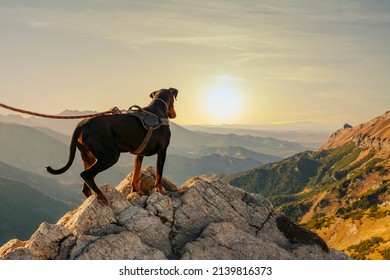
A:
223,103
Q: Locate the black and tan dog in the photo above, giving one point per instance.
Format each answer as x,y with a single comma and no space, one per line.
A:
101,139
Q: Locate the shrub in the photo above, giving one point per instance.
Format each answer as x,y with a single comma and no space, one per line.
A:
376,213
295,210
385,254
365,247
319,223
323,203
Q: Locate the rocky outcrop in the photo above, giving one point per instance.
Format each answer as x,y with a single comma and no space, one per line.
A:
366,141
373,134
201,220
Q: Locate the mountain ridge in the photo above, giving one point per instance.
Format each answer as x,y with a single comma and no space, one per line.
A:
375,133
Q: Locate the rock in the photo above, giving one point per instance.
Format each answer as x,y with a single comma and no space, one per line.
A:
15,250
347,126
45,242
203,219
125,245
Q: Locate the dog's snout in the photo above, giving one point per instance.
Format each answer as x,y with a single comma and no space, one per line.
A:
171,113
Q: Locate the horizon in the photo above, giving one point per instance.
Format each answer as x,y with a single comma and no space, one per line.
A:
323,126
256,126
266,63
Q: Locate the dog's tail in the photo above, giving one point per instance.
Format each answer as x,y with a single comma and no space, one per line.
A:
72,152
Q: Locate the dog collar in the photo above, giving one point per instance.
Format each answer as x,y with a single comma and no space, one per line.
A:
166,105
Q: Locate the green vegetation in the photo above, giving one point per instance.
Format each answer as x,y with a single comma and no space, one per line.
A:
315,170
385,254
364,248
371,165
283,199
354,215
295,210
376,213
323,203
320,223
289,176
368,200
334,161
341,189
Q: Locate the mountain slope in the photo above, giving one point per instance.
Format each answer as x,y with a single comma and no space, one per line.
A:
181,168
230,151
23,208
342,191
184,138
30,149
69,194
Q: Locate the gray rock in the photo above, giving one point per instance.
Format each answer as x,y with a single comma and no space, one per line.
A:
15,250
45,243
201,220
125,245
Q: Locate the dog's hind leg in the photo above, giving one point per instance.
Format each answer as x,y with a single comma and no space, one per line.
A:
100,165
136,173
88,160
160,167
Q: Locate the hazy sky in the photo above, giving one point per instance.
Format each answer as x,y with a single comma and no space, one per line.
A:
232,61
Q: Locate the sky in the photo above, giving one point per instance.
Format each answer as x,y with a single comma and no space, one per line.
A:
233,62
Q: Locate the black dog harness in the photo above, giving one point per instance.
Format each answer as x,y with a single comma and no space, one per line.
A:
149,121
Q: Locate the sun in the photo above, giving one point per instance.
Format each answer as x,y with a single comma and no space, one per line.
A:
223,103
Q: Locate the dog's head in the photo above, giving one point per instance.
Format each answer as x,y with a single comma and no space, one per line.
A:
168,96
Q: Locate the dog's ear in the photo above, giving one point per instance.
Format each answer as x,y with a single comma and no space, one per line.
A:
153,94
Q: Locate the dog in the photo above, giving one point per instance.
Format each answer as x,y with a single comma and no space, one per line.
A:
102,139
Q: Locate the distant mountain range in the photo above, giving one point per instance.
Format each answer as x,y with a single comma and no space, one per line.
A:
308,134
341,191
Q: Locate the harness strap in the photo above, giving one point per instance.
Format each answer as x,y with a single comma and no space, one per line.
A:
164,121
144,142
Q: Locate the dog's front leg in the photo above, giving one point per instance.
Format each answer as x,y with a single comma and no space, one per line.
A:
160,167
136,173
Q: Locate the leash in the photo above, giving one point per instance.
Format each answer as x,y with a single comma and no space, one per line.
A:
112,111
